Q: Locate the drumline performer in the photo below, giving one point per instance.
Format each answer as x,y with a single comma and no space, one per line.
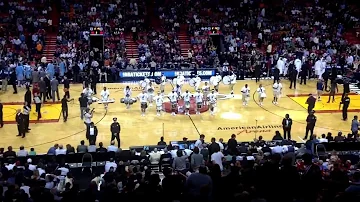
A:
205,91
159,100
245,91
105,94
143,97
199,101
127,98
277,87
178,90
212,98
186,96
150,92
197,82
173,97
88,93
262,94
162,84
217,82
180,81
232,82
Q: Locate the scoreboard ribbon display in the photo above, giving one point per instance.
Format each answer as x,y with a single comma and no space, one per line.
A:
96,31
170,74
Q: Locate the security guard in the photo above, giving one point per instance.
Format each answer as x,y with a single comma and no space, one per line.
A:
311,121
345,102
115,131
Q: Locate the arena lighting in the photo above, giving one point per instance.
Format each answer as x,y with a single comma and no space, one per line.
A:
96,31
212,30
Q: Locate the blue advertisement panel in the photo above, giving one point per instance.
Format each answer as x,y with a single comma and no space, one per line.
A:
204,73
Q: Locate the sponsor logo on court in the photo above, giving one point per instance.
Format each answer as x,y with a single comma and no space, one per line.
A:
252,129
133,88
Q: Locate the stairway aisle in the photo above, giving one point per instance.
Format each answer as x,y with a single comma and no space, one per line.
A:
50,48
131,47
184,40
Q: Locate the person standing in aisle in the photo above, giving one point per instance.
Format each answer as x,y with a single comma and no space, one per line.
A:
26,116
20,123
115,131
37,101
311,121
54,83
345,102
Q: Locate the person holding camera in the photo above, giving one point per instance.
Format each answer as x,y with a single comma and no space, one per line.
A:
115,131
87,116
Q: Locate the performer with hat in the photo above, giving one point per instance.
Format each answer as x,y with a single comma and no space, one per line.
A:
159,100
173,97
150,92
199,101
186,96
143,97
127,98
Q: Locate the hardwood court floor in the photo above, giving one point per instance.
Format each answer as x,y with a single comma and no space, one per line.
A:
231,118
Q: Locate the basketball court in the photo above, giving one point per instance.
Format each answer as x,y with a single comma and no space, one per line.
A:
230,118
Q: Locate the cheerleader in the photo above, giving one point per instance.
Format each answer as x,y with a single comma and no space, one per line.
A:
199,101
127,98
159,100
105,97
262,94
205,91
232,82
162,84
212,98
245,91
277,87
150,92
173,97
186,96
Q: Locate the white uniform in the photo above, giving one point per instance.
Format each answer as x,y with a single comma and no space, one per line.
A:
298,64
150,92
232,79
280,65
262,93
163,83
173,97
88,93
143,97
206,91
159,100
277,89
199,98
245,91
186,97
180,80
197,82
127,92
317,68
105,94
212,97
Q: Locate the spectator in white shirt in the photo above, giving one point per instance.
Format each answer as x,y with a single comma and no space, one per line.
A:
155,157
22,152
31,166
200,142
60,150
323,139
110,164
112,147
278,149
217,158
64,170
91,147
220,143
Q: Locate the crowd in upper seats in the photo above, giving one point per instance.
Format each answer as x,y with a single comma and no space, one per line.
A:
23,26
210,172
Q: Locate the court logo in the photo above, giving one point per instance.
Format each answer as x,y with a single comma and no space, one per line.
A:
252,129
133,88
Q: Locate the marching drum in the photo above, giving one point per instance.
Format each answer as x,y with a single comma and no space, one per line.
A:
94,99
226,80
192,82
107,101
129,101
143,84
214,81
175,81
158,80
151,90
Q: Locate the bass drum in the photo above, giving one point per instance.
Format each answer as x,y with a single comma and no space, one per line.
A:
214,81
158,80
192,82
175,81
226,80
142,84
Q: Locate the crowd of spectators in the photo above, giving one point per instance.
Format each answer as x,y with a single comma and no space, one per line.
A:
23,27
215,171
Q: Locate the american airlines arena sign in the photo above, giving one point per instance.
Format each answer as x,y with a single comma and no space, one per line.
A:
142,74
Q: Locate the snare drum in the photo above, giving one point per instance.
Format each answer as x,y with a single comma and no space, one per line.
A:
144,105
173,105
187,105
199,105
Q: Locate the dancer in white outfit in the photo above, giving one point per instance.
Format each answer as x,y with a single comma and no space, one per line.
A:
127,98
280,65
298,65
162,84
277,87
173,97
232,83
88,93
143,97
186,96
205,91
150,91
197,82
262,94
212,98
199,101
217,82
159,100
105,94
245,91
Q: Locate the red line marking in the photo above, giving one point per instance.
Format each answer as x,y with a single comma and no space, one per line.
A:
326,94
336,111
35,121
21,103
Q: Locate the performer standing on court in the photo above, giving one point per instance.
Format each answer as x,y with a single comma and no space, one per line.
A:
27,96
319,88
262,94
37,101
115,131
64,107
150,91
293,77
304,73
245,91
26,116
311,121
162,84
346,88
20,123
173,97
143,97
186,96
205,91
1,115
91,133
277,87
276,74
212,98
311,103
105,97
345,102
66,83
333,90
287,123
232,82
127,98
199,101
159,100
